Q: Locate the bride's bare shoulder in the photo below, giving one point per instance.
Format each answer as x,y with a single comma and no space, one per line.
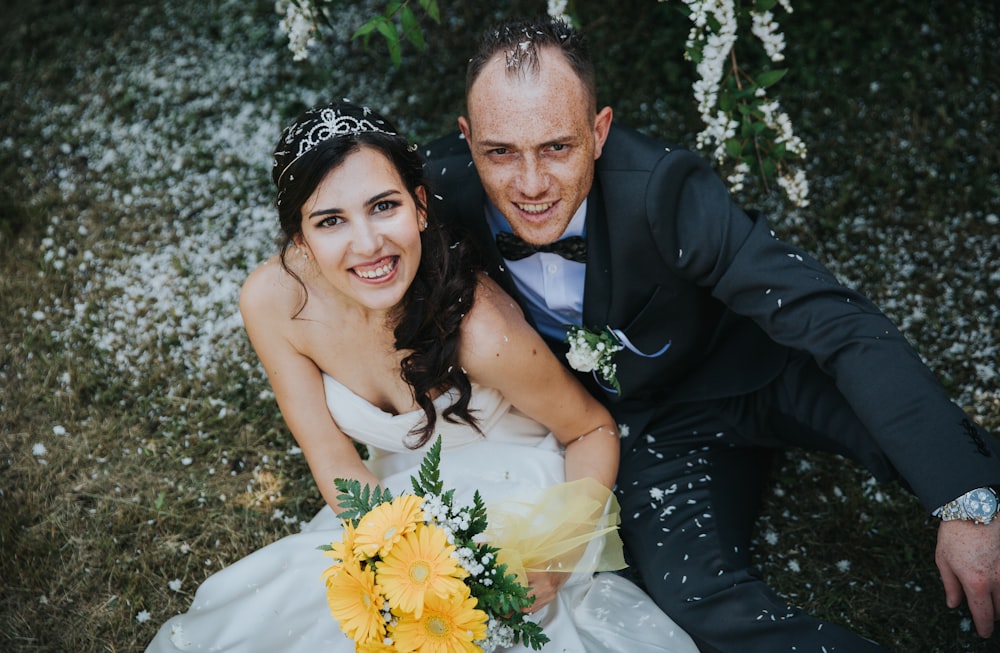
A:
494,319
268,287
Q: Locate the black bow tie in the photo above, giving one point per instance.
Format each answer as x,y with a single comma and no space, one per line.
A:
513,248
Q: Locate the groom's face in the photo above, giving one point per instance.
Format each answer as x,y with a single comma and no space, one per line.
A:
534,139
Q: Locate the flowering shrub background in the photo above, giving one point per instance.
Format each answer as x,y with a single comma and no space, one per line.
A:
141,448
746,132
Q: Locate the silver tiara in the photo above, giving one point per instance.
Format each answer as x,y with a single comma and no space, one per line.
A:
320,125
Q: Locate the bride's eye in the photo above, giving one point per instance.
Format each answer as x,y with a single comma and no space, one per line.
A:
384,205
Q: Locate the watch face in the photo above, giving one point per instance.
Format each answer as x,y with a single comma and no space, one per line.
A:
981,504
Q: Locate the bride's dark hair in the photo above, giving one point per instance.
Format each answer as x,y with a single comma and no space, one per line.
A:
428,319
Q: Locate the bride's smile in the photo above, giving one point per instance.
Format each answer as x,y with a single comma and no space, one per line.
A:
378,272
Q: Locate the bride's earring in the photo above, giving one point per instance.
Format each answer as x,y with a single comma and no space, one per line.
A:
302,250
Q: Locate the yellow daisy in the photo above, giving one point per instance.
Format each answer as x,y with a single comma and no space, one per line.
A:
385,524
355,602
448,625
376,647
420,564
342,552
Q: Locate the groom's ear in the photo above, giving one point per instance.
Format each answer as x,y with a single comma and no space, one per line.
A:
602,126
463,125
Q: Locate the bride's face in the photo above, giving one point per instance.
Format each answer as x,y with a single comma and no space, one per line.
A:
361,231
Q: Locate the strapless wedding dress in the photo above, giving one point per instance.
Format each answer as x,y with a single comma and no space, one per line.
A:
273,600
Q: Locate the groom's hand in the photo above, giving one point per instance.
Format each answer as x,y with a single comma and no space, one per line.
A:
545,585
968,557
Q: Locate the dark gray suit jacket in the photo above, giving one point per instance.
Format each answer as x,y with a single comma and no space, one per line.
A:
673,259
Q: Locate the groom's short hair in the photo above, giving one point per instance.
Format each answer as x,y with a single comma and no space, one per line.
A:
521,40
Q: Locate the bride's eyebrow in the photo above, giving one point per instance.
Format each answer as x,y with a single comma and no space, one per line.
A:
373,200
381,196
324,212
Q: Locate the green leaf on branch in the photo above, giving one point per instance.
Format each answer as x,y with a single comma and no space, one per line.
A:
411,28
770,77
431,7
408,28
726,102
388,30
768,169
733,148
365,30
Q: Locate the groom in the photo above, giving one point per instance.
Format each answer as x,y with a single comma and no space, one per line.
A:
733,343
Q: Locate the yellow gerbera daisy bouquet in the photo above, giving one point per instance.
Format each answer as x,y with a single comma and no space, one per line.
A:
410,574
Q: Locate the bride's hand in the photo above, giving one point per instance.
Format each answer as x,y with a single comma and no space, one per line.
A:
545,585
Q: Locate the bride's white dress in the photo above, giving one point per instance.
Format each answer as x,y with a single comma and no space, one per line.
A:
273,600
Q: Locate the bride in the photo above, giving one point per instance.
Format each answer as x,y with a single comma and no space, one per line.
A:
373,329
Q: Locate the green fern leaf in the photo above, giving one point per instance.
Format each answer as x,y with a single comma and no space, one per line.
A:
428,479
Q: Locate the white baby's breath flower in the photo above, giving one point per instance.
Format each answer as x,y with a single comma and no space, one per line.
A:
766,29
299,23
143,616
39,449
175,585
557,9
590,351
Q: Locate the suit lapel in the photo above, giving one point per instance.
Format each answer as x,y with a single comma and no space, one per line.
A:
597,280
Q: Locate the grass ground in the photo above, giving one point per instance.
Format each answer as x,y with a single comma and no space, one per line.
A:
140,449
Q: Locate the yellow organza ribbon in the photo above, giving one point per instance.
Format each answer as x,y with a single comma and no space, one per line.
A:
566,528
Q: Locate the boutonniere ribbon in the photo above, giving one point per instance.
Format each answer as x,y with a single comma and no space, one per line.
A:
594,351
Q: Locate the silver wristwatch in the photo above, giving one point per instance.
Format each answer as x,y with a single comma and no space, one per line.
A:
980,505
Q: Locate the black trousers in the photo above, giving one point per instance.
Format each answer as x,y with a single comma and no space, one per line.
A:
690,487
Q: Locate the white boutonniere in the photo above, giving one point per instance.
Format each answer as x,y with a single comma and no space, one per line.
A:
590,351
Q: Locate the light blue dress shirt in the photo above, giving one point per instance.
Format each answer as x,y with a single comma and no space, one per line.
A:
551,285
